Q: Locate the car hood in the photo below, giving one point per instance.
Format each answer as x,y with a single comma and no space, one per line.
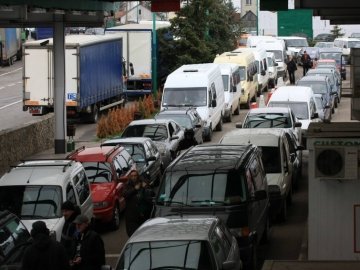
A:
100,192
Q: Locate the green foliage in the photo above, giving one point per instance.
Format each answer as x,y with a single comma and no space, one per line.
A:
201,29
336,31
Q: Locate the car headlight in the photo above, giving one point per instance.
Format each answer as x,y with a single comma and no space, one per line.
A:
98,205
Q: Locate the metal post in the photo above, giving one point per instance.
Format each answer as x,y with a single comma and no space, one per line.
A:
257,17
59,85
154,56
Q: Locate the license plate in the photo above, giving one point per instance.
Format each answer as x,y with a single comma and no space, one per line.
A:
35,110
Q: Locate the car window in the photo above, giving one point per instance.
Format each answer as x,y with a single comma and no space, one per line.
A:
70,194
271,159
218,248
82,187
97,172
257,173
121,164
126,155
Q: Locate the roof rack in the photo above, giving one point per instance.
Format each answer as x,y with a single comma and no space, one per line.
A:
67,165
112,150
78,150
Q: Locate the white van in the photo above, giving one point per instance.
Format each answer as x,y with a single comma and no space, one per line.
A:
294,44
35,190
253,41
272,66
276,158
278,48
301,100
346,44
199,86
232,89
248,72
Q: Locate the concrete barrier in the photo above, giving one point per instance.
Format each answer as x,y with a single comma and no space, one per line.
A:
26,140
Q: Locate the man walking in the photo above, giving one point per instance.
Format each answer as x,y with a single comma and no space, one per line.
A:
291,68
44,252
306,61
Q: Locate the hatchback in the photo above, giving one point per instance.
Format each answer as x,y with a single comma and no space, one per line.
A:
186,242
107,169
190,120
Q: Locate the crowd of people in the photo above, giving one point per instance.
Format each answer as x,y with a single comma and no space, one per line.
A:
307,63
80,247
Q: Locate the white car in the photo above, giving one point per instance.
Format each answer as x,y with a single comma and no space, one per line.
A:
35,190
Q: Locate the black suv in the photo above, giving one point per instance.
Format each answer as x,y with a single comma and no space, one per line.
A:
228,181
14,238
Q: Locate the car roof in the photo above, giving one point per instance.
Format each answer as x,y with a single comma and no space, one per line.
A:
174,228
128,140
175,111
150,121
211,157
320,71
40,172
333,49
257,136
270,110
293,93
312,78
94,154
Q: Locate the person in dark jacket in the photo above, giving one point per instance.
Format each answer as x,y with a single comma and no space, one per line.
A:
291,68
44,253
90,250
138,195
70,212
306,62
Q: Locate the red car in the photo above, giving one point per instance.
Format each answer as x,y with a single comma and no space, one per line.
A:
107,169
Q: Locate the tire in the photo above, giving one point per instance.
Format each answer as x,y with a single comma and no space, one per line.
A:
115,222
237,110
229,118
219,125
208,138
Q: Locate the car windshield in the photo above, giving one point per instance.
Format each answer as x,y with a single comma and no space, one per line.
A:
242,71
300,109
225,79
296,42
324,44
331,55
270,61
267,120
156,132
32,202
182,119
317,87
136,151
278,55
202,189
174,97
98,172
186,254
271,159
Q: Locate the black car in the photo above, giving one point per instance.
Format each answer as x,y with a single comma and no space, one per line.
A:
324,37
190,120
145,154
14,239
228,181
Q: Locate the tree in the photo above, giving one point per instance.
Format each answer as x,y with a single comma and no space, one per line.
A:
201,29
336,31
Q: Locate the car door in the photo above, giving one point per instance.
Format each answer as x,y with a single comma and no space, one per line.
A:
83,194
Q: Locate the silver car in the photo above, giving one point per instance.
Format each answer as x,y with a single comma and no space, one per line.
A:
181,243
166,134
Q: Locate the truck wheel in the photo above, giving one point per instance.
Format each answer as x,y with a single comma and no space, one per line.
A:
229,118
209,136
237,110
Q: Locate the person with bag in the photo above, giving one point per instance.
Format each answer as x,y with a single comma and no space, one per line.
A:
291,68
138,195
90,250
306,61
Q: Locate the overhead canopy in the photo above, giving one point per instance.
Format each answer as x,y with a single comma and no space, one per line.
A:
337,11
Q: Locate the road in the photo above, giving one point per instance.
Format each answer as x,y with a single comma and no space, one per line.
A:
11,114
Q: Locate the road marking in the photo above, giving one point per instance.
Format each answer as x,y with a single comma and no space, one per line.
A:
2,87
10,104
11,72
12,84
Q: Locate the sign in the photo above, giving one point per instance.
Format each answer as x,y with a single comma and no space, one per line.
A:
165,5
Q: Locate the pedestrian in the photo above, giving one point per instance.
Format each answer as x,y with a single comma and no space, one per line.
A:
291,68
44,253
90,251
138,195
70,211
306,61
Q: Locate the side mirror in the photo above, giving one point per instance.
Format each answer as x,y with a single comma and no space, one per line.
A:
263,73
213,103
316,115
298,124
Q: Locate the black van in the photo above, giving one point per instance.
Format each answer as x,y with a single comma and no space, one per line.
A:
14,239
228,181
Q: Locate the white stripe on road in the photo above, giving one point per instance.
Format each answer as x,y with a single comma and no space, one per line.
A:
10,104
10,72
2,87
12,84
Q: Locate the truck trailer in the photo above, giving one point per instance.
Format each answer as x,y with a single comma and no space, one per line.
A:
93,75
10,45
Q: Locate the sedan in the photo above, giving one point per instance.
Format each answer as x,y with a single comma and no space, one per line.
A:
167,135
145,154
179,242
190,120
